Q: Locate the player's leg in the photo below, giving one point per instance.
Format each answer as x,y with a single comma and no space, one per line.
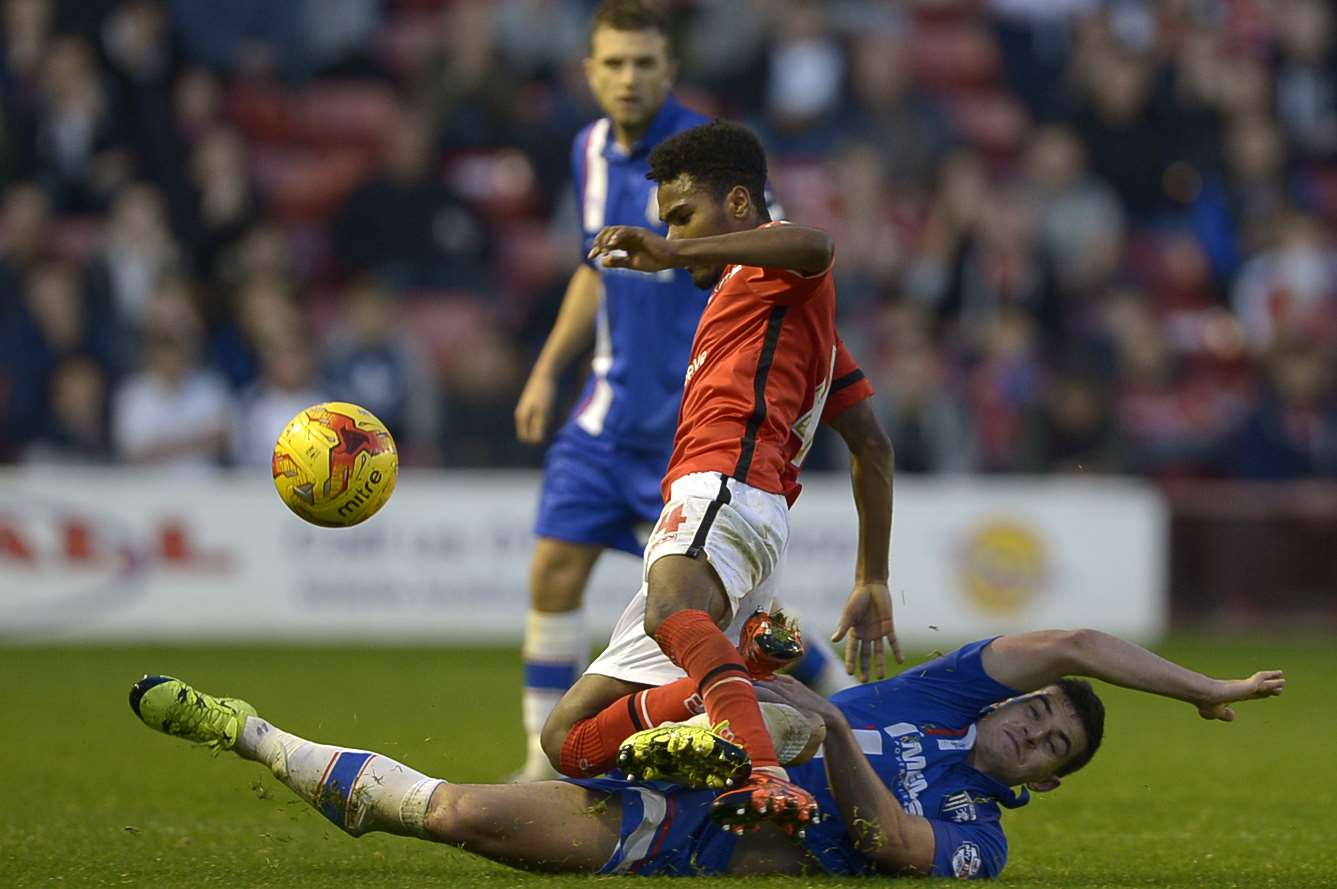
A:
710,561
556,646
578,517
686,610
630,686
548,826
551,826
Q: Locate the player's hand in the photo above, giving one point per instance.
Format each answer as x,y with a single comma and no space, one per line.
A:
867,616
1263,684
788,690
534,409
628,247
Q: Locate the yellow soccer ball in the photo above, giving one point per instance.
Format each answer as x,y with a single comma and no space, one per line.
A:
335,464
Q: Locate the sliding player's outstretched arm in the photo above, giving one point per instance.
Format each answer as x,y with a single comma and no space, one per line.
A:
867,617
895,841
1029,661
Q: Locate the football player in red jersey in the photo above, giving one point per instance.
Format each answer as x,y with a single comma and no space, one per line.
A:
767,366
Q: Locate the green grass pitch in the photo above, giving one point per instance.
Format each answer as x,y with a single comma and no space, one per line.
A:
92,798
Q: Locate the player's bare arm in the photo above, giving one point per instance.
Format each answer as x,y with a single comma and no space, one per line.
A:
571,335
1030,661
796,248
895,841
867,618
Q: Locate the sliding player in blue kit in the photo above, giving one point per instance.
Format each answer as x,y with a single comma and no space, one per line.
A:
911,777
602,472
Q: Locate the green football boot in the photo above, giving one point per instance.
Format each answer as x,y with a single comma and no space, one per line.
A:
174,708
690,755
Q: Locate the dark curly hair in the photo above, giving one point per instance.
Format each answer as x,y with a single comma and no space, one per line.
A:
630,15
1091,714
718,156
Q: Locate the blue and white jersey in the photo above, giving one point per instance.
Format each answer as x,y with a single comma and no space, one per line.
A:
918,730
646,322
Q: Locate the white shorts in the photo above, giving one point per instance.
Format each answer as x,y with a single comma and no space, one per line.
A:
741,531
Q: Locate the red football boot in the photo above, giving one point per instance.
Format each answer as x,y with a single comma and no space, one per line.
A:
769,642
765,797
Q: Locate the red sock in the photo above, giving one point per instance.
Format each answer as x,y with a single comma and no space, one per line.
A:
693,642
591,746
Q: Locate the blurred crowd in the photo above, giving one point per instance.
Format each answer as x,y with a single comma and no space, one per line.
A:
1072,235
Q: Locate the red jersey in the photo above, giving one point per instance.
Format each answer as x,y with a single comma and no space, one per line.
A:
767,366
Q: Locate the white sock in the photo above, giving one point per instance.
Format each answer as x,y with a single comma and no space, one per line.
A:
556,650
359,791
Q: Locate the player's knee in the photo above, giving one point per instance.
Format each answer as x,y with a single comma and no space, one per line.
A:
553,736
558,575
682,583
657,610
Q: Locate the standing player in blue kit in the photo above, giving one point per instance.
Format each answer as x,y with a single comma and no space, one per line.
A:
602,473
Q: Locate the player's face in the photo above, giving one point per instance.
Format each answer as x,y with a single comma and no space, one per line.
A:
692,212
629,73
1029,738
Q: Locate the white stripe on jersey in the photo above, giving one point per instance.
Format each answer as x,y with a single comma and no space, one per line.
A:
596,176
637,844
869,741
592,416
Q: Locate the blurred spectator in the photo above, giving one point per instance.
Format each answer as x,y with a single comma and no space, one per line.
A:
367,361
53,324
482,384
265,250
885,110
1080,218
173,414
137,248
336,34
1290,290
26,32
76,427
25,217
252,38
999,266
1073,428
262,310
197,103
874,241
1237,212
1293,433
81,158
1306,92
962,187
1125,136
136,40
923,416
1002,386
1035,39
172,309
223,202
805,74
286,385
725,49
1169,411
538,36
406,226
467,90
